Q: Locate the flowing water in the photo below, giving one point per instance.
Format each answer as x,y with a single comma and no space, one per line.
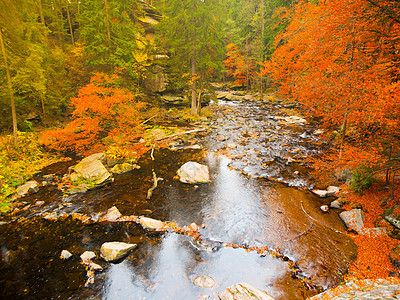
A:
249,144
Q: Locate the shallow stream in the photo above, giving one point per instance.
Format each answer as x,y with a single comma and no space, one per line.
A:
256,197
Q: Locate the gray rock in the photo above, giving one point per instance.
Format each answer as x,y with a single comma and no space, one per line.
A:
122,168
28,187
174,100
204,281
353,219
115,251
243,291
87,256
65,254
321,193
336,204
152,224
192,172
378,289
111,216
156,80
393,220
333,190
91,173
221,95
324,208
373,232
97,156
94,267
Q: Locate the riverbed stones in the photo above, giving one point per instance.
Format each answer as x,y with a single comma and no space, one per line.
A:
193,173
65,254
204,281
152,224
101,157
295,120
29,187
87,257
336,204
353,219
111,216
115,251
243,291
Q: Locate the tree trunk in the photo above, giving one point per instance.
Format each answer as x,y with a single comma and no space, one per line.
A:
60,27
194,85
70,25
108,26
10,89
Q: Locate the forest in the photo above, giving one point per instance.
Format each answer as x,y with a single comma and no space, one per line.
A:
79,77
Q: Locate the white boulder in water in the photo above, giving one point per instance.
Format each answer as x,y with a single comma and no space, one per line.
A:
114,251
192,172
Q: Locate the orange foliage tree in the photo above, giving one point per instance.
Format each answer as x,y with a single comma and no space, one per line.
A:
340,59
102,112
238,65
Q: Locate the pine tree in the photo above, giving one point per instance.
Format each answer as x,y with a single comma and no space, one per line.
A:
191,31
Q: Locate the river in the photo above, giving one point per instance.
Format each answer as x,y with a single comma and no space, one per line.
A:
258,197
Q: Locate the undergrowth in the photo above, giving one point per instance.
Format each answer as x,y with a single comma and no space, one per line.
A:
19,162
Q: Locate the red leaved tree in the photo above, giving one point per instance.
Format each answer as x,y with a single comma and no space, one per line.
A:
340,59
238,65
103,112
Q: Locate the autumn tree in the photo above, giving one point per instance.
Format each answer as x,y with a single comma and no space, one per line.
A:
191,32
103,114
340,60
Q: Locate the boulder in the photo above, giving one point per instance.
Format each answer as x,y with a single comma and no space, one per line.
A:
204,281
90,174
320,193
115,251
174,100
221,95
353,219
243,291
102,157
65,254
232,97
152,224
122,168
333,190
28,188
336,204
111,216
393,220
192,172
87,257
156,80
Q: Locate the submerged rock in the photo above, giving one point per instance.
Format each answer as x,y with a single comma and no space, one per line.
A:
111,216
192,172
29,187
354,219
204,281
115,251
243,291
122,168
